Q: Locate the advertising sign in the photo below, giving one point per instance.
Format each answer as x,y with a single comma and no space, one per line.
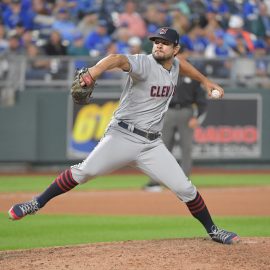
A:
232,128
87,126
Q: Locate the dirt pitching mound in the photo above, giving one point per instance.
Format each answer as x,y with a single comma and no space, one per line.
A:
171,254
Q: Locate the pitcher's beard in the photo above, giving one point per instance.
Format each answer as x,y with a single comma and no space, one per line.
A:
161,59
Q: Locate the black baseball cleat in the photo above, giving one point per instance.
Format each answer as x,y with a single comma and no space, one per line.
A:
223,237
20,210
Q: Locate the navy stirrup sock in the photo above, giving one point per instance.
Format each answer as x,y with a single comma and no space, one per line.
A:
199,210
63,183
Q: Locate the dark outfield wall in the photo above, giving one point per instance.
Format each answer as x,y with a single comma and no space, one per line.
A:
35,128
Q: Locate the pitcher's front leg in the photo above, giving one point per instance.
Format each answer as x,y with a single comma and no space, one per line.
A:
113,151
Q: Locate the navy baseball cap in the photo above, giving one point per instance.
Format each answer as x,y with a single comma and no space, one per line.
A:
166,33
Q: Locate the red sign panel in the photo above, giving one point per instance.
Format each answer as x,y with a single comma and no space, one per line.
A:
231,130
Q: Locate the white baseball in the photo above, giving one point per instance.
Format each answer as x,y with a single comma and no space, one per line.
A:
215,94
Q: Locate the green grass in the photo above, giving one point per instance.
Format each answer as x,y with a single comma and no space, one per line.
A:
58,230
110,182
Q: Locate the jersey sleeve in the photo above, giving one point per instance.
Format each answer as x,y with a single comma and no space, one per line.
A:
140,66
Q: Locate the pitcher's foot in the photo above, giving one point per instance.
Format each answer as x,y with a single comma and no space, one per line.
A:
223,237
20,210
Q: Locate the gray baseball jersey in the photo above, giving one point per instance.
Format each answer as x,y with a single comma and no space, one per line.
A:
147,92
143,103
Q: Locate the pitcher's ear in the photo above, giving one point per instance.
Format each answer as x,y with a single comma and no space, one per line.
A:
176,50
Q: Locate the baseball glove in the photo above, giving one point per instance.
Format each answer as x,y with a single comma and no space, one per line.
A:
82,94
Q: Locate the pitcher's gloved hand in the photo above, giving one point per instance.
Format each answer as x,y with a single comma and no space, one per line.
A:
82,94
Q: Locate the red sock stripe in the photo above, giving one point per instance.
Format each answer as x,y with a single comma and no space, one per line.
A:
63,181
66,181
195,201
198,210
196,205
73,183
59,183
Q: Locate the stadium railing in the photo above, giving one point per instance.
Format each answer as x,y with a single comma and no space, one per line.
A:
18,73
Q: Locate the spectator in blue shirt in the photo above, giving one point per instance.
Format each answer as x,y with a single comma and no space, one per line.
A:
98,40
219,7
219,51
3,7
195,41
84,6
218,48
16,13
64,25
250,9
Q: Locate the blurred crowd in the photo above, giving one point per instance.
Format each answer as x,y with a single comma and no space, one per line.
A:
208,28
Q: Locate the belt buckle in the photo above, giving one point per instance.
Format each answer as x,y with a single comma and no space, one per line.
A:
148,135
151,136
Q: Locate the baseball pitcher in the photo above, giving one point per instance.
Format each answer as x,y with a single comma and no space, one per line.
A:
133,137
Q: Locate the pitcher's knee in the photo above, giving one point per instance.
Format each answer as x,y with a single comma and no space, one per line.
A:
81,174
186,194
